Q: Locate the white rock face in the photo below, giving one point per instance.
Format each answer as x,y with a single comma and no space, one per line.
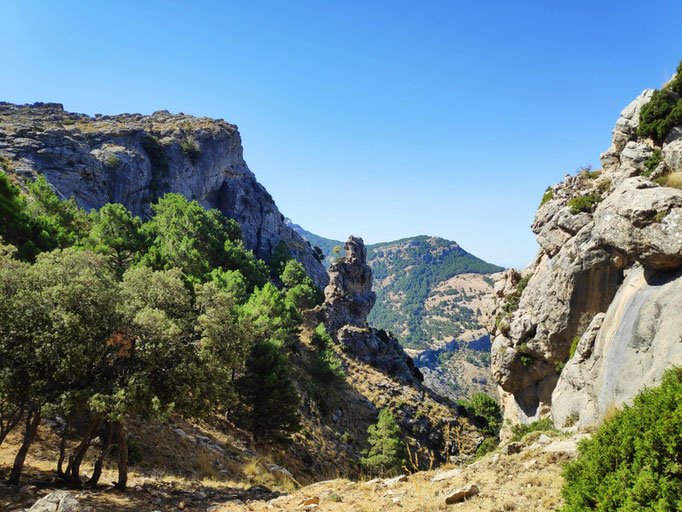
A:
112,159
638,338
608,274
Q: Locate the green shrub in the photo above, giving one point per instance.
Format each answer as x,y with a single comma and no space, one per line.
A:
544,425
652,162
660,115
584,203
113,161
334,497
548,196
604,185
190,148
634,461
157,156
559,366
488,445
486,408
523,282
68,122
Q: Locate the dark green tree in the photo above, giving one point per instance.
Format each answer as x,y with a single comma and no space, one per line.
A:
267,394
488,410
386,453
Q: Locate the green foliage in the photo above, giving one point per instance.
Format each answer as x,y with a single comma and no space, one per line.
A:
652,162
633,461
268,396
190,148
486,408
117,235
574,347
326,368
386,453
278,259
156,153
186,236
584,203
547,196
300,289
660,114
488,445
519,431
271,316
113,161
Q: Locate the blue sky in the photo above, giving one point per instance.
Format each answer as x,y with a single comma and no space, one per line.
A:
380,119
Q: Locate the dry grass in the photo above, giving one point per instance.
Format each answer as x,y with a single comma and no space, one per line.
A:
674,179
529,481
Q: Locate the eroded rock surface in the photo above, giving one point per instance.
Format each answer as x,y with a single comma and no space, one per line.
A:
134,159
348,300
605,281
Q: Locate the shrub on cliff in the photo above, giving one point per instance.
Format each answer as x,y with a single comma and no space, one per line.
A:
634,461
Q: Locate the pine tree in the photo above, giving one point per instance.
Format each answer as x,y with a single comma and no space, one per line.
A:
267,393
386,453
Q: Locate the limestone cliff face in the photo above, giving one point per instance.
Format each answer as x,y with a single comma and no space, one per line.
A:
133,159
607,280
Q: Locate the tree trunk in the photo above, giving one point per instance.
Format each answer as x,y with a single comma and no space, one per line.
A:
32,423
122,457
79,453
9,420
106,444
62,449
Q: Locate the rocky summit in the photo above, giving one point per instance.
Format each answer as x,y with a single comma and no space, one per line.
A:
595,317
134,159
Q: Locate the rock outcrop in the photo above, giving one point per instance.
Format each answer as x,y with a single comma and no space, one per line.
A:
133,159
595,318
348,300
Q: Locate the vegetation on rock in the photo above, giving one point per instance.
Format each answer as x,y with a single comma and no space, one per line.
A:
386,454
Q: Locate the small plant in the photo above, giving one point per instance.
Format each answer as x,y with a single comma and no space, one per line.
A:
584,203
113,161
604,185
488,445
157,156
661,215
190,148
574,346
347,438
559,366
651,163
334,497
548,196
523,282
68,122
674,179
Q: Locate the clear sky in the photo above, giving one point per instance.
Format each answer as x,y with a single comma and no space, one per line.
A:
380,119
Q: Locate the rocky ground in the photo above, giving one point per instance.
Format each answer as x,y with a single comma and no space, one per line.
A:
521,476
528,479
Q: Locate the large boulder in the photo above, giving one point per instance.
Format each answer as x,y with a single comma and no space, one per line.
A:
643,221
57,501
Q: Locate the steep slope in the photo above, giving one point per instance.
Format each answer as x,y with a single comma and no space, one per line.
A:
595,318
133,159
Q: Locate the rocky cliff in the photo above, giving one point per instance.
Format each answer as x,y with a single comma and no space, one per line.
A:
348,300
596,317
133,159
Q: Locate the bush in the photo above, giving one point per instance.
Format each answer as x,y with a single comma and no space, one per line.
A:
660,115
113,161
157,156
519,431
652,162
486,408
488,445
548,196
633,461
584,203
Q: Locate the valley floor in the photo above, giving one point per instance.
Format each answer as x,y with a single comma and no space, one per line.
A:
527,481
